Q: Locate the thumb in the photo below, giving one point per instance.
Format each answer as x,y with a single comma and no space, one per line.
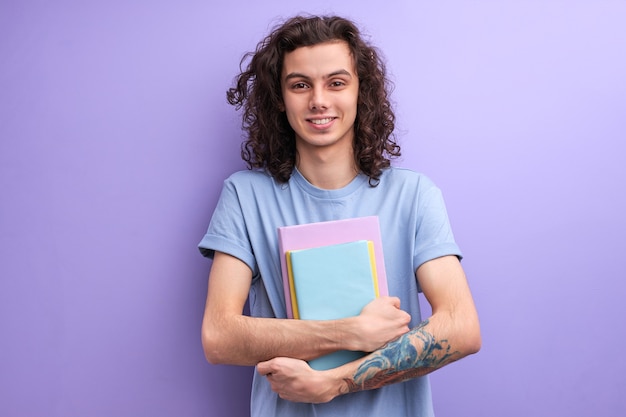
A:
265,368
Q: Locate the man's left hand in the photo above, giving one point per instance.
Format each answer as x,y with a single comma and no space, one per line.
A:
295,380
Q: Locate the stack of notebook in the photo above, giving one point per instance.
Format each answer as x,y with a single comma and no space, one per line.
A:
331,270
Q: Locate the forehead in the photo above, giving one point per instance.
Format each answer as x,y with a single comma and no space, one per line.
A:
319,60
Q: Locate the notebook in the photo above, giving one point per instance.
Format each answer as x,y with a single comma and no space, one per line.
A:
310,235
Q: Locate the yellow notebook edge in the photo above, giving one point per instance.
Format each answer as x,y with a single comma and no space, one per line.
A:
370,246
292,287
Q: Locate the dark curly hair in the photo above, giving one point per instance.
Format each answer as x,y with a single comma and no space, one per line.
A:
270,141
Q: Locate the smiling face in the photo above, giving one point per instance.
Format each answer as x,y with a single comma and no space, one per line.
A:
320,89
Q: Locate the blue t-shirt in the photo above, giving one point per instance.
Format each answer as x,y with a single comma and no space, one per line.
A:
414,229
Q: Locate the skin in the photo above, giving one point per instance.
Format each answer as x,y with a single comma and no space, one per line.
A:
320,92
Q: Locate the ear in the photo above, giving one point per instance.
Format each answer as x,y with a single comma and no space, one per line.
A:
281,107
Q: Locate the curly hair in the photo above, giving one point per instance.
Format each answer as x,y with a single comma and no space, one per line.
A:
270,141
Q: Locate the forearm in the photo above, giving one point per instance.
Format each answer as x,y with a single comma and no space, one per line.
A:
232,338
243,340
427,347
414,354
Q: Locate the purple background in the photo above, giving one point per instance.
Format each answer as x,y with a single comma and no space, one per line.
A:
115,137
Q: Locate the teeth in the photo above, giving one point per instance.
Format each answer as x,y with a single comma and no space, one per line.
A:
321,121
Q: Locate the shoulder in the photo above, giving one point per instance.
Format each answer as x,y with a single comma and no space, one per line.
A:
395,177
250,178
249,175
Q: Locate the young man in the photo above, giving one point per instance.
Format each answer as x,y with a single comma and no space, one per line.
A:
320,139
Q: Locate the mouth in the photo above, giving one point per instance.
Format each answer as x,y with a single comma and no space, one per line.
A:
323,121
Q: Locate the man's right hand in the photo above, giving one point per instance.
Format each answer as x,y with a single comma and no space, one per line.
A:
380,321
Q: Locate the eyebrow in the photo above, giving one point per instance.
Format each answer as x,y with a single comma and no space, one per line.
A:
306,77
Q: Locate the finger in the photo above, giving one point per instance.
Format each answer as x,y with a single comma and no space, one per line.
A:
395,301
265,368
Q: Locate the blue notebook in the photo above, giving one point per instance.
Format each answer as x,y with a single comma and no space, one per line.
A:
332,282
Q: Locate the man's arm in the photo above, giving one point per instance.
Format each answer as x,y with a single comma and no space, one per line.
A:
229,337
451,333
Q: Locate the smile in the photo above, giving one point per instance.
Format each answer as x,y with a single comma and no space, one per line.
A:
321,121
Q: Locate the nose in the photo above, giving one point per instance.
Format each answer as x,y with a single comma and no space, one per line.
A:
319,99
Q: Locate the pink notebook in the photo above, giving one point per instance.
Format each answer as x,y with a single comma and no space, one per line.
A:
311,235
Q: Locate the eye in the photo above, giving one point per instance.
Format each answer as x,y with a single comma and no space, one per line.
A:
299,86
337,83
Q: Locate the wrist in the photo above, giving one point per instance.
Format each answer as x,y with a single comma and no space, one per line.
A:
337,382
348,334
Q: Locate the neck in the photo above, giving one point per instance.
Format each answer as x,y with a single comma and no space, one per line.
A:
328,173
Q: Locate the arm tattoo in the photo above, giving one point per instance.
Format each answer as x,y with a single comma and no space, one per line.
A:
400,360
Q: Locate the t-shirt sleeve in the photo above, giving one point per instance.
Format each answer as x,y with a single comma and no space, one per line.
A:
227,230
433,238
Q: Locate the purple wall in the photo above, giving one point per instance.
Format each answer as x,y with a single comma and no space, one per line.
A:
115,137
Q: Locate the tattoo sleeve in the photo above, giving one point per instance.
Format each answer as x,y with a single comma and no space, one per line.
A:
414,354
